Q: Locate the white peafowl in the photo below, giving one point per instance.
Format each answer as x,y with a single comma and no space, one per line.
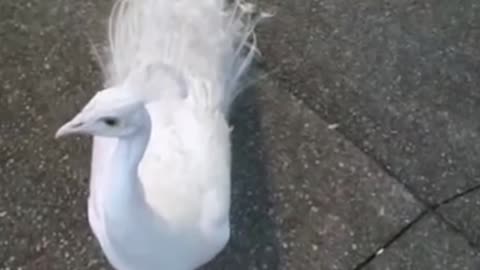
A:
160,170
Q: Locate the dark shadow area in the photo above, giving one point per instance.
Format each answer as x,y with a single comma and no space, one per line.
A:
253,244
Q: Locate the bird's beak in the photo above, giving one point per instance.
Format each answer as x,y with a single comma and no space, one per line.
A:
72,127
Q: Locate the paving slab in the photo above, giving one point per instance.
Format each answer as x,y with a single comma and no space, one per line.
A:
42,237
399,77
47,74
328,206
429,244
463,213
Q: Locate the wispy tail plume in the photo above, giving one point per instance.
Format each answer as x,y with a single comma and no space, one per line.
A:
207,39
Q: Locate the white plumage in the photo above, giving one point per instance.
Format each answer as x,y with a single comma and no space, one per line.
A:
160,173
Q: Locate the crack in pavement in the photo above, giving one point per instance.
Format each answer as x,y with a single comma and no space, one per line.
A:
407,227
457,196
390,241
429,208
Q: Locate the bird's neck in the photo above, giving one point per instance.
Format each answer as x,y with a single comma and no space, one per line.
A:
126,192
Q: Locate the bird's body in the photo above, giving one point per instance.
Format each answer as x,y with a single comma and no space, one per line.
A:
160,172
186,186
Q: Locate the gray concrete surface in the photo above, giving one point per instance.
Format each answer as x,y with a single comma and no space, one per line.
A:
400,77
395,186
463,215
428,245
317,185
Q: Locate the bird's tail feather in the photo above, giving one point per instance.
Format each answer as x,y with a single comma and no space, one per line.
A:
207,39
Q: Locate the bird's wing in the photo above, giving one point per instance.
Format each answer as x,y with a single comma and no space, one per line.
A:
188,157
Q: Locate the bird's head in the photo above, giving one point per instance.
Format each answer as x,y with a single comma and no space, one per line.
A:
110,113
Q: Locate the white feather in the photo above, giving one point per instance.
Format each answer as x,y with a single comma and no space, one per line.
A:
208,39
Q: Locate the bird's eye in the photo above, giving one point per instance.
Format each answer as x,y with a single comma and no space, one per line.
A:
110,121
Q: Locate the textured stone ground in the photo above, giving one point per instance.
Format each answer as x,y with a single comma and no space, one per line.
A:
359,148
